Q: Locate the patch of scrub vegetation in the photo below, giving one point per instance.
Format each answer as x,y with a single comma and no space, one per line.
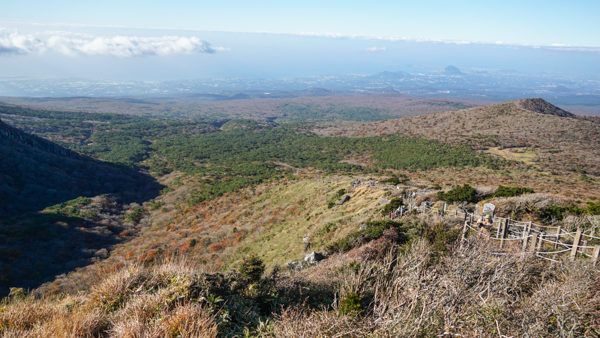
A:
135,214
510,191
72,208
370,231
394,204
525,155
464,193
396,179
468,194
293,112
236,158
130,143
557,212
399,152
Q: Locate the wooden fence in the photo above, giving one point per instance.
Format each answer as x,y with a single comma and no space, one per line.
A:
543,241
547,242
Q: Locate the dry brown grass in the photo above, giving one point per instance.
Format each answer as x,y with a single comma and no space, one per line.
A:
469,293
519,206
413,292
134,302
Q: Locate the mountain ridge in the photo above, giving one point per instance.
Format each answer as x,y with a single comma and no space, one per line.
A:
561,141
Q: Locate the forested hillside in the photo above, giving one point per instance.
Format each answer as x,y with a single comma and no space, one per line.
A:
37,173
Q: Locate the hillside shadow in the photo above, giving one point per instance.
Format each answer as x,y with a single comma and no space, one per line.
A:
36,173
42,246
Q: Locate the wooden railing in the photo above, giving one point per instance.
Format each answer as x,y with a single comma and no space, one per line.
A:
543,241
547,242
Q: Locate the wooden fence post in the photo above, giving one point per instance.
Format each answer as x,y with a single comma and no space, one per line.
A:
596,254
557,237
499,227
540,242
575,244
526,236
503,232
464,233
534,242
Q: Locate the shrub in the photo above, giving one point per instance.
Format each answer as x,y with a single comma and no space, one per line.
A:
17,293
395,180
593,208
371,231
441,237
558,212
465,193
252,269
394,204
351,305
506,191
135,214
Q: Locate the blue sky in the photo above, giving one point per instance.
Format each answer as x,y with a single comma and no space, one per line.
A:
535,22
164,40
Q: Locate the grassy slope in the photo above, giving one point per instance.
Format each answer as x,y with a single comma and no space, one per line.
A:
269,220
467,291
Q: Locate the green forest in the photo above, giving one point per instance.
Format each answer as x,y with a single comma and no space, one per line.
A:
230,154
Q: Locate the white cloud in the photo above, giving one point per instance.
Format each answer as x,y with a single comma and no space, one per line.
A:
119,46
14,43
376,49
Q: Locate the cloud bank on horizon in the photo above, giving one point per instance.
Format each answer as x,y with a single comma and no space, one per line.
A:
122,46
120,53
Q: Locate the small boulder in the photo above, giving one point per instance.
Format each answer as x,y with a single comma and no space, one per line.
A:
344,199
102,253
295,265
314,257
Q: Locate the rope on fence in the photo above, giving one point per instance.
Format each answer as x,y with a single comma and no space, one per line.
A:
545,226
586,247
564,233
556,242
590,236
472,228
511,239
553,252
546,258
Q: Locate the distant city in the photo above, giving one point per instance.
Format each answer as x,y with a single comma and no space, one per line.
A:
450,82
